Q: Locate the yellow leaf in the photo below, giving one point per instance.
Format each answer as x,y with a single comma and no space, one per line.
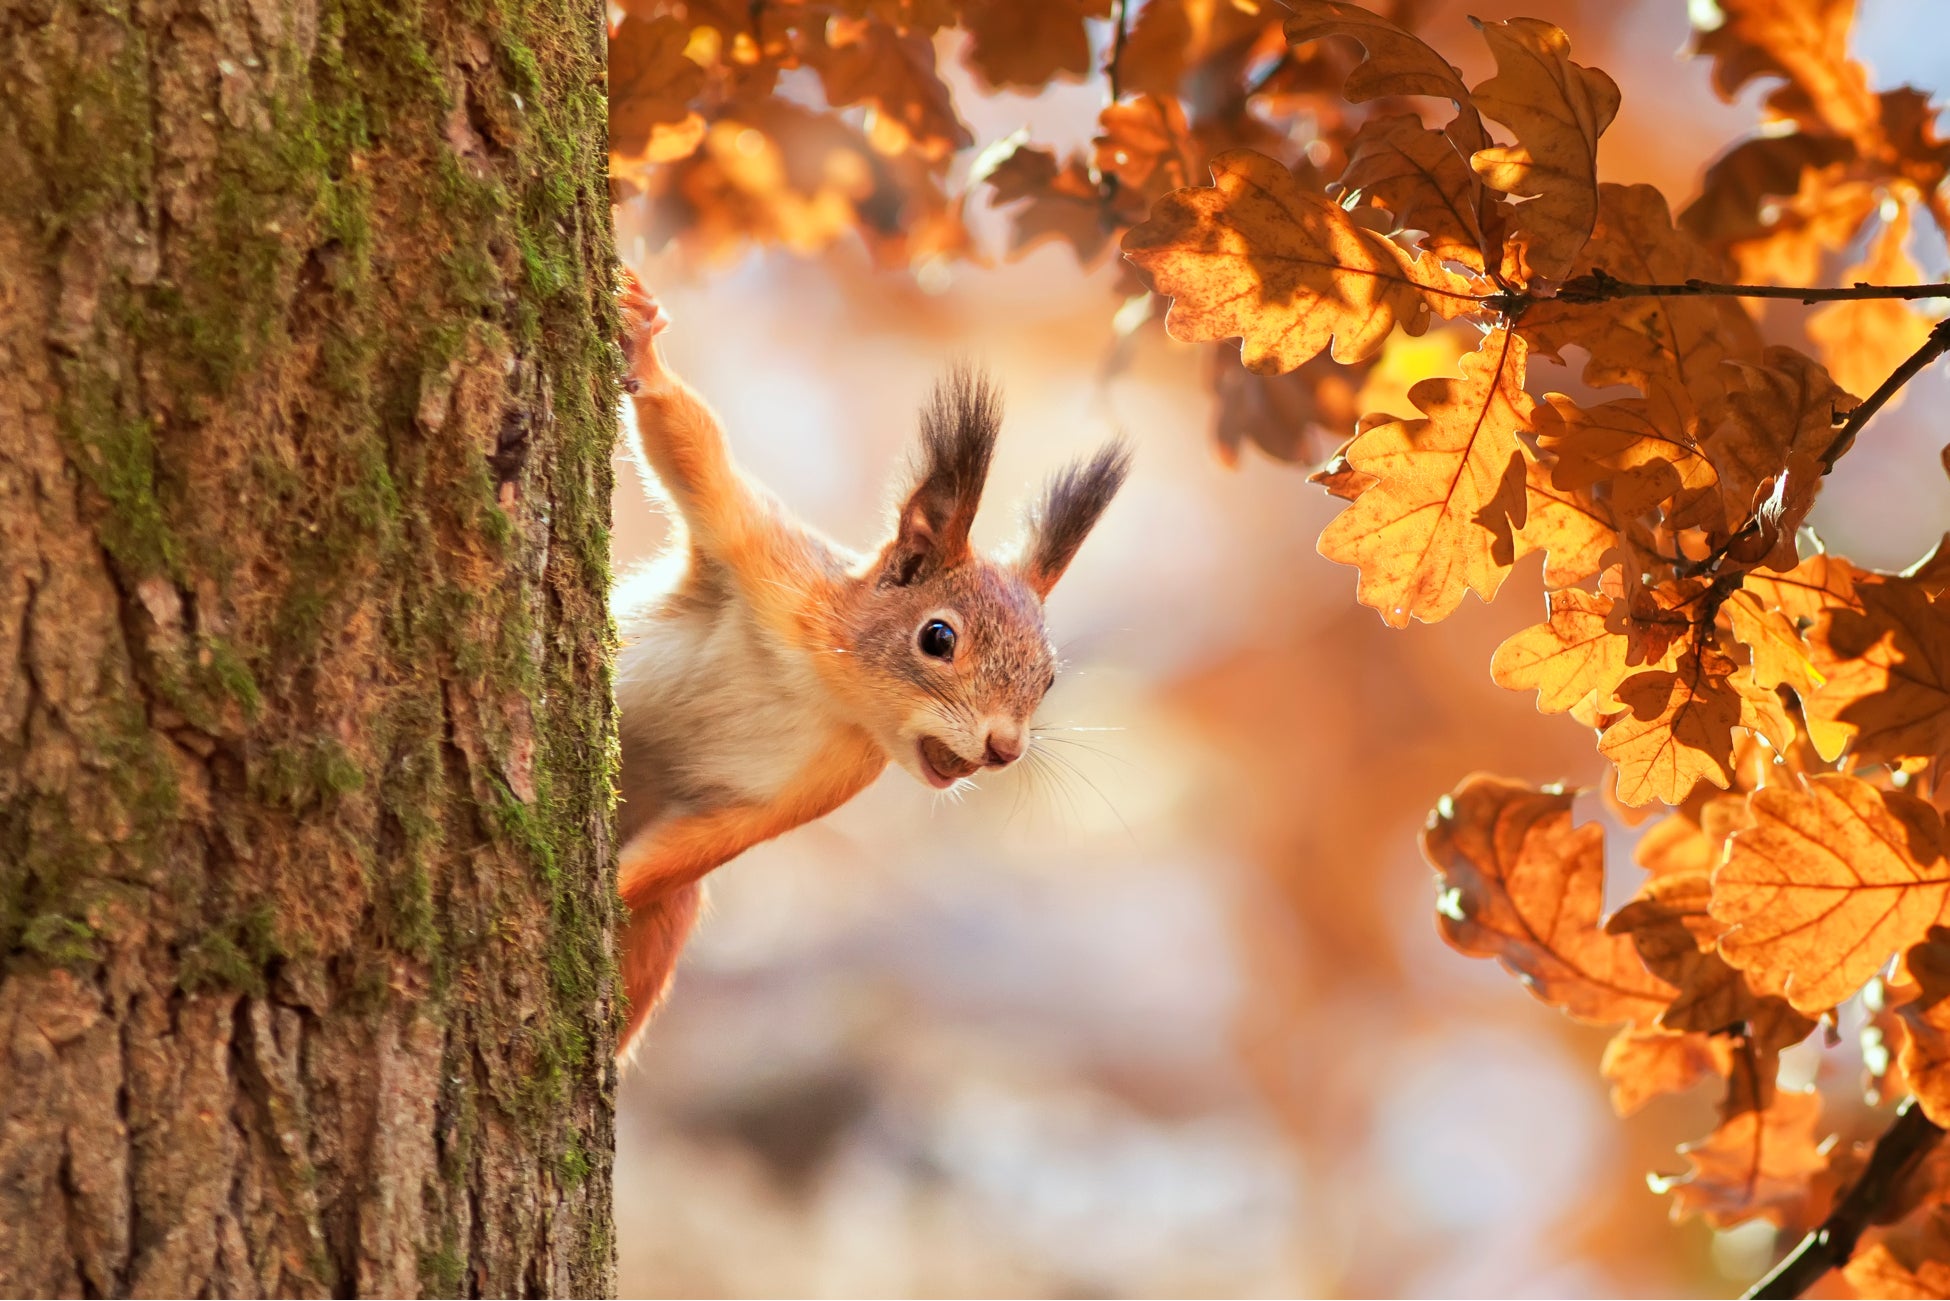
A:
1781,657
1558,109
1826,884
1258,257
1438,520
1566,658
1522,885
1620,444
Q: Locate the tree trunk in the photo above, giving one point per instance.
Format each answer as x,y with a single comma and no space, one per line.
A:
306,885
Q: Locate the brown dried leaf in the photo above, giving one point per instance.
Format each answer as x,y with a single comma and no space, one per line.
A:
1282,414
1816,585
1438,521
1060,201
1397,62
1826,884
1888,671
1774,409
1925,1056
1678,731
1756,1165
1642,1064
1028,43
1572,530
866,62
1522,885
651,83
1258,257
1558,109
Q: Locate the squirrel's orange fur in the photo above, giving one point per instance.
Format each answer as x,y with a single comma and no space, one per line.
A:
767,674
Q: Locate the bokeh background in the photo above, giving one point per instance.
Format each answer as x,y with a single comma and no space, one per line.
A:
1173,1020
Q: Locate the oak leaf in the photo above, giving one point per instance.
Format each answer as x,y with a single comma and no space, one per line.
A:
1259,257
1397,63
1677,938
1888,671
1677,731
1028,43
1805,44
1572,529
1816,585
1641,1064
1570,656
871,63
1756,1165
651,84
1060,200
1862,340
1281,414
1557,109
1777,419
1910,1262
1780,656
1669,348
1925,1055
1438,521
1417,174
1522,885
1620,444
1827,883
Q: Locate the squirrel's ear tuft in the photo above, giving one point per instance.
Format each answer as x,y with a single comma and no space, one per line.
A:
958,429
1069,509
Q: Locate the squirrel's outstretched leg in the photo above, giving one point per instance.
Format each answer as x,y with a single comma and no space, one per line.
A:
652,939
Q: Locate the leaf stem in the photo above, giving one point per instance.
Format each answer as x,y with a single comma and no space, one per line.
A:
1833,1241
1599,286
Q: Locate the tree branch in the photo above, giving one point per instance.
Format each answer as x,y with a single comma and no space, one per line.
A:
1599,287
1829,1246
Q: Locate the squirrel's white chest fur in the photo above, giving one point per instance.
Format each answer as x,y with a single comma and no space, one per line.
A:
716,709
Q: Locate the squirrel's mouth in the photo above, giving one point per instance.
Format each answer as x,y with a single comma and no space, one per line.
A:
943,766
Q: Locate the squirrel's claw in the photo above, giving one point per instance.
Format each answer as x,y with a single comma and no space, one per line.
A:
643,320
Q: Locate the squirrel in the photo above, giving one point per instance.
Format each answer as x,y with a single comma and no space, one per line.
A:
766,674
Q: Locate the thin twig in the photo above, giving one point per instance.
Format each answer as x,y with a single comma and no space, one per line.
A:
1599,286
1904,1143
1114,71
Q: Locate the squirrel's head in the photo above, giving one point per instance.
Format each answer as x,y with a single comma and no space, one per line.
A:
951,642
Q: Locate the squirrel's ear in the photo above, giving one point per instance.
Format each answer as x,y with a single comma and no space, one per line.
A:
1069,509
958,429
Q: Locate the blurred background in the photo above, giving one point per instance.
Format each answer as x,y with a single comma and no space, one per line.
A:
1173,1020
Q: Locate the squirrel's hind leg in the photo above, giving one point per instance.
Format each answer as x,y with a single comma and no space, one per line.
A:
652,939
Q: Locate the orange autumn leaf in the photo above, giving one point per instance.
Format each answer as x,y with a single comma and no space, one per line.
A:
1910,1262
1677,730
1522,885
1620,444
1670,349
1259,257
651,83
1925,1055
1827,883
1888,671
1397,62
1805,44
1417,175
1816,585
1284,415
1756,1165
1569,656
1059,201
1779,408
1572,529
1641,1064
871,63
1677,939
1027,43
1449,489
1863,340
1557,109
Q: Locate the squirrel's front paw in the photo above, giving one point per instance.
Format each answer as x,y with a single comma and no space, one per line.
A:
643,320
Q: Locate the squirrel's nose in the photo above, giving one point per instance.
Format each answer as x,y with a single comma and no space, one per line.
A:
1003,750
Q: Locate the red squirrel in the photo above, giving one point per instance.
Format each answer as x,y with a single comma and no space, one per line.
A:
768,674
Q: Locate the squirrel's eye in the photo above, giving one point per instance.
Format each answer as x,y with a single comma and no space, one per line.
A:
938,640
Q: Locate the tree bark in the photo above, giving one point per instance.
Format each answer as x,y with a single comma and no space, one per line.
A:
307,398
